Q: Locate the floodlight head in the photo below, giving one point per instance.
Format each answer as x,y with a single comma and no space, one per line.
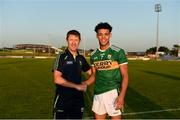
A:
158,8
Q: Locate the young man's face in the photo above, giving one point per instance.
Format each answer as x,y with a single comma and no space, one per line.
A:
104,35
73,42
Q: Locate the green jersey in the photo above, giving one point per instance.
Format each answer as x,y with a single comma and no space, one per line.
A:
106,63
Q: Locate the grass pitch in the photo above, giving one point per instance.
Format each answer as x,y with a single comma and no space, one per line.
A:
27,90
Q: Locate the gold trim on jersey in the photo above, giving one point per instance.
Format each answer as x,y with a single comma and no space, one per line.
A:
106,65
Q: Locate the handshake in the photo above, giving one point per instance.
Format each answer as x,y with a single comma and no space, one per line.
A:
81,87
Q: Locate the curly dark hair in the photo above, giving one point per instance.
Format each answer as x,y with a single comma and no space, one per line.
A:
102,25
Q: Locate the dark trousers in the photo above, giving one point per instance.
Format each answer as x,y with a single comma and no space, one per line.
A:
70,113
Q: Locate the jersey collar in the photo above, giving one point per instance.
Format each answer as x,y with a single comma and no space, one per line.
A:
105,49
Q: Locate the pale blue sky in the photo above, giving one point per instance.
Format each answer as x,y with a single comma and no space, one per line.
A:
47,22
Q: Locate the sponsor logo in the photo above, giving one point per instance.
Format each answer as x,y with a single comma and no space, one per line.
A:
69,62
106,65
103,64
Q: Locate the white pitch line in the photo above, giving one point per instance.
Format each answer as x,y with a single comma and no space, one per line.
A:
154,111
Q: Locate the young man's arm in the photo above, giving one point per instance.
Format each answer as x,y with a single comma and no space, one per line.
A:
120,100
58,79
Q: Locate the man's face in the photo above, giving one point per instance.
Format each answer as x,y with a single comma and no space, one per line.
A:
103,35
73,42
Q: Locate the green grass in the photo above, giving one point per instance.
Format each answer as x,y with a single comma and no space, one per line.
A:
27,89
154,85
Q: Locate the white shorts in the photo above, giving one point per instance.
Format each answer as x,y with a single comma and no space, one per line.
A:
104,103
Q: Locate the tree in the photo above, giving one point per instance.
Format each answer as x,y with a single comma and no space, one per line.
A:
152,50
164,49
175,49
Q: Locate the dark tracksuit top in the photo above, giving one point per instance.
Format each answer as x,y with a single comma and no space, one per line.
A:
71,71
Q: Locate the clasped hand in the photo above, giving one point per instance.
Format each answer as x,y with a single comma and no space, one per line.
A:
81,87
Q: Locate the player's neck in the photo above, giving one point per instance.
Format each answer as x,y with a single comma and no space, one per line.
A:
73,52
104,47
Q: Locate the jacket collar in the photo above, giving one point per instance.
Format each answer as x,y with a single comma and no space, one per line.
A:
69,53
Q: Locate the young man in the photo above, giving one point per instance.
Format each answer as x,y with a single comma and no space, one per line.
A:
110,66
69,103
